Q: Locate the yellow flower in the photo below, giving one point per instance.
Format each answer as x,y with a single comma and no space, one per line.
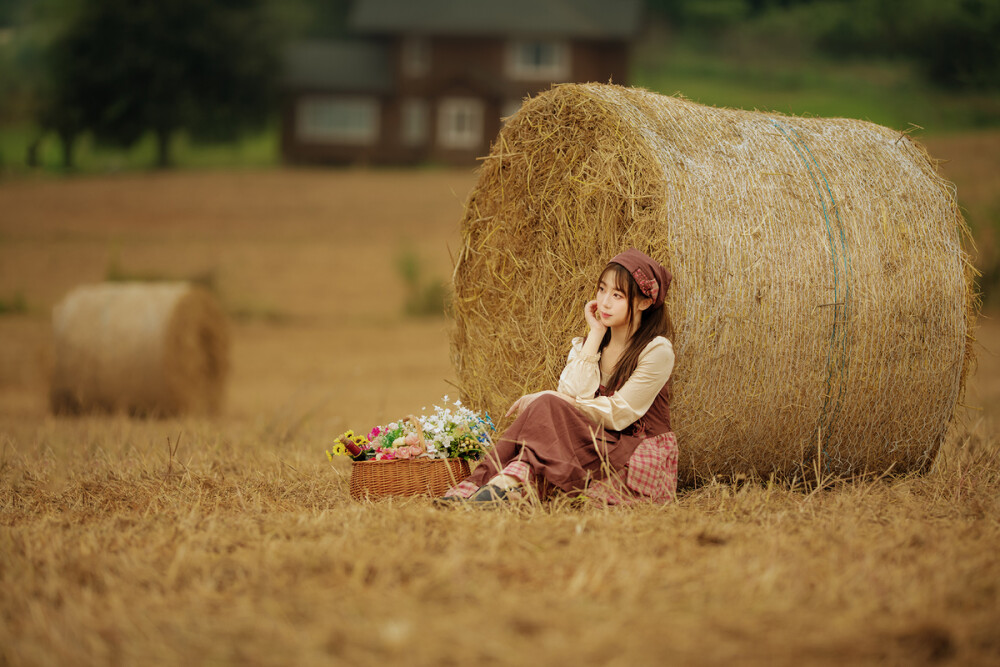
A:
338,449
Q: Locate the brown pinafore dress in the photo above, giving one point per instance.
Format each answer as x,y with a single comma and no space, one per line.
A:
567,451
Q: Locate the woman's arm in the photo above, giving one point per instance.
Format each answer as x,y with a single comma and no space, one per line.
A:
520,404
633,398
581,376
592,346
627,404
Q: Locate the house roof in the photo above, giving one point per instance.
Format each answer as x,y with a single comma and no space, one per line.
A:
359,65
584,19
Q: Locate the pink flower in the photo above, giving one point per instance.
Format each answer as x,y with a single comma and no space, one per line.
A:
374,434
408,451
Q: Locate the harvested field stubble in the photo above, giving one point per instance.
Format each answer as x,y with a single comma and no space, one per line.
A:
823,303
209,553
243,547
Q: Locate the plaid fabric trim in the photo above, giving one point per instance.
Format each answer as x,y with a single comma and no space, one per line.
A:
651,475
652,470
462,490
519,470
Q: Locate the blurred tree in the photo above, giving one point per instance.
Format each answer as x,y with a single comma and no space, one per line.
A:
700,14
13,12
958,43
25,33
760,6
955,42
8,11
312,19
125,67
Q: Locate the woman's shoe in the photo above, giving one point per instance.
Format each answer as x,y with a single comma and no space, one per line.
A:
490,493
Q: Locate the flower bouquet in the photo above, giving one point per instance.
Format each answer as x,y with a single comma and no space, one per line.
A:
415,455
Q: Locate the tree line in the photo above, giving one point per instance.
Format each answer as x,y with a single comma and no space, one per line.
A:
119,69
955,43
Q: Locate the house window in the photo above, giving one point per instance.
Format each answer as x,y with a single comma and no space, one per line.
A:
416,56
414,122
538,59
340,120
460,122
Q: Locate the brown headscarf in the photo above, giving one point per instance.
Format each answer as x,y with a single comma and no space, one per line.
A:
652,278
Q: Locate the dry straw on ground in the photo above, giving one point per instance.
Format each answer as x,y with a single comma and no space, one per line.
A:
151,349
822,299
225,548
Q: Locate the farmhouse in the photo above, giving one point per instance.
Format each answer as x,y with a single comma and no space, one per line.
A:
432,80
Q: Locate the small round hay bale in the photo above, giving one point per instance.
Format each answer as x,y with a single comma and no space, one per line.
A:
154,349
822,299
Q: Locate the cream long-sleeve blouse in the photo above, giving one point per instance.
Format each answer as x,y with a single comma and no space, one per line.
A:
582,377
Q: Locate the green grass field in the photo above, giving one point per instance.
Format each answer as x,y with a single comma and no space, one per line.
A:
252,151
884,92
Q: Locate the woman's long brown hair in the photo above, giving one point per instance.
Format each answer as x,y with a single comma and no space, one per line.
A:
654,322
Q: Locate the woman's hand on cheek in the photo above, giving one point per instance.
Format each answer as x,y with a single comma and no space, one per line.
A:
590,314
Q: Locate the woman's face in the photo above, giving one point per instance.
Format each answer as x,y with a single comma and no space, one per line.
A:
612,302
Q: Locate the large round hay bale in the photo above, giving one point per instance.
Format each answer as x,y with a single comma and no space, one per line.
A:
144,348
822,299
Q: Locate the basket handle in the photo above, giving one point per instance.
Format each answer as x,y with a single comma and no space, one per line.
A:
415,421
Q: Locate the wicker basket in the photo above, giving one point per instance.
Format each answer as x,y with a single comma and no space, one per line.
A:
413,477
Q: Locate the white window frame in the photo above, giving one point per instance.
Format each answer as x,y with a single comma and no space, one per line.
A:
414,121
460,122
416,55
538,59
332,119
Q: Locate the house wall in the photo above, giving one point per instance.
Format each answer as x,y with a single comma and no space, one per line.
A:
299,150
600,62
474,61
460,67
